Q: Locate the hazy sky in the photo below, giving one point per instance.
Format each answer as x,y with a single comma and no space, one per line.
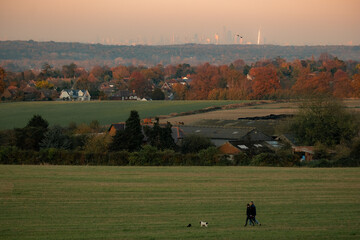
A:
294,22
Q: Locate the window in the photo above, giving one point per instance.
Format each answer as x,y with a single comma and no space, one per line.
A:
243,147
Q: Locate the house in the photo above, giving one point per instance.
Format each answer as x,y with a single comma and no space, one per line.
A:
251,148
48,94
115,127
6,95
74,95
166,87
252,143
305,152
124,95
31,94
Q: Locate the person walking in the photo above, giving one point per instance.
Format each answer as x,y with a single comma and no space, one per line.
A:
248,216
253,212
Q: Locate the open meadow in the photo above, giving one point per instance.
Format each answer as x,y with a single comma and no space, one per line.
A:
17,114
82,202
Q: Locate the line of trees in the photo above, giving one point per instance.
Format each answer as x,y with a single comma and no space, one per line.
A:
321,122
265,79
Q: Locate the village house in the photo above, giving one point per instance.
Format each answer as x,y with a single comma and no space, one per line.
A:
124,95
74,95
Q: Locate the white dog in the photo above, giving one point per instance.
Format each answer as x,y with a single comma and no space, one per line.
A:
203,224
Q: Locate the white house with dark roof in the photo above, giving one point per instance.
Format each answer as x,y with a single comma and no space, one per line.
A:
75,95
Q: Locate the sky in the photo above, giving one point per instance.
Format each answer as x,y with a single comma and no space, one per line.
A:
159,22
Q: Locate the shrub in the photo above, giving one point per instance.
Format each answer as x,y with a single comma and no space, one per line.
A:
193,143
120,158
242,159
265,159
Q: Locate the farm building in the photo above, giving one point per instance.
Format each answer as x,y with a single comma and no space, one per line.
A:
75,95
221,135
306,152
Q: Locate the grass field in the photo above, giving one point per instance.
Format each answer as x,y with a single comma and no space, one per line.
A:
74,202
17,114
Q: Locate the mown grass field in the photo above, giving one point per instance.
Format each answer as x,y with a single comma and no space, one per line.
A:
17,114
80,202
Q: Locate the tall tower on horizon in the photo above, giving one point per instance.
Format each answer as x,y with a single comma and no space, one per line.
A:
258,41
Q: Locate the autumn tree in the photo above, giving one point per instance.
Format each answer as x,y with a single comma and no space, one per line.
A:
265,82
207,78
154,74
180,91
313,83
355,84
69,71
2,77
44,84
120,72
342,85
138,83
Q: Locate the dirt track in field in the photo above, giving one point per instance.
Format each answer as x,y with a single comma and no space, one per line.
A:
249,111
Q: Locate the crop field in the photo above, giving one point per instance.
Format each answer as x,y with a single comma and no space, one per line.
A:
17,114
253,111
82,202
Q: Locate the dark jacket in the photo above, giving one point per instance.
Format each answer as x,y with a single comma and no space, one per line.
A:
253,210
248,211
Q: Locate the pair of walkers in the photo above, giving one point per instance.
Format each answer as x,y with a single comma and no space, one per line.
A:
250,214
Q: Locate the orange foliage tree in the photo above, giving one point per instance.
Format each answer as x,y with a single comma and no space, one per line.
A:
265,82
355,84
2,77
180,91
342,85
120,72
139,84
207,78
313,83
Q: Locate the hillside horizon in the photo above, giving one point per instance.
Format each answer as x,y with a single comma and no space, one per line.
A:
20,55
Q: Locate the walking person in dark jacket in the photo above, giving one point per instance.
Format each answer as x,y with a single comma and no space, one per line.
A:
249,217
253,212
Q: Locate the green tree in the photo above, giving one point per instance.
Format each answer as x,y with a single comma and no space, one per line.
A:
37,121
157,94
193,143
325,121
31,136
131,138
160,137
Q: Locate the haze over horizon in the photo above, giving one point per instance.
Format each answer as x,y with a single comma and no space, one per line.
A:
162,22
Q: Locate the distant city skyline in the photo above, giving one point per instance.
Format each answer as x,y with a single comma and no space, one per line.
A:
164,22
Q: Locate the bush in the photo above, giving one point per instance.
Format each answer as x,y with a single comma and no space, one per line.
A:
242,159
120,158
193,143
320,163
266,159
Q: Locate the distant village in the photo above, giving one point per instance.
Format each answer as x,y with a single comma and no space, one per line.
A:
265,79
